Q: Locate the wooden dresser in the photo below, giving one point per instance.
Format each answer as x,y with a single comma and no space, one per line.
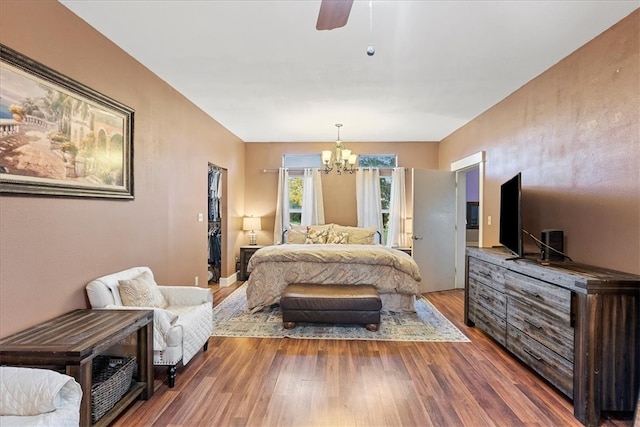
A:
578,326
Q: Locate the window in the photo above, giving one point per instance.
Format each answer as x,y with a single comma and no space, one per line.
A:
299,162
377,160
382,161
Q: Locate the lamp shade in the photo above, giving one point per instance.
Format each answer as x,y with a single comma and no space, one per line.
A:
326,156
251,223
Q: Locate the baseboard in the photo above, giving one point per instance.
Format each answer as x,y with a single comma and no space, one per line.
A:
228,281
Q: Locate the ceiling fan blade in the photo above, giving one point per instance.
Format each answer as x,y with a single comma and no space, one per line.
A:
333,14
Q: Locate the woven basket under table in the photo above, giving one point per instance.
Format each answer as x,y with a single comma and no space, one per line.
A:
111,380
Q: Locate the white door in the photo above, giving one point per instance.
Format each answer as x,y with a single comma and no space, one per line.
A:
434,224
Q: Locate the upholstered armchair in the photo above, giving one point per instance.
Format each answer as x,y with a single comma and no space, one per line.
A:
182,314
38,397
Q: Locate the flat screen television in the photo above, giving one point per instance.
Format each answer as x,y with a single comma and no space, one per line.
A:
511,215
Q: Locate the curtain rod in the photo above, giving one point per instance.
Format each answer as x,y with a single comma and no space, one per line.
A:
302,169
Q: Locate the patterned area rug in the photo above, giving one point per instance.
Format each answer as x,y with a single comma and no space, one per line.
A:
231,318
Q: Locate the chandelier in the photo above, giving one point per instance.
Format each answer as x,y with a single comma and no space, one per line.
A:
339,158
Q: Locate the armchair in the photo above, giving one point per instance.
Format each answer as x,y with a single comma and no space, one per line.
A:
38,397
182,314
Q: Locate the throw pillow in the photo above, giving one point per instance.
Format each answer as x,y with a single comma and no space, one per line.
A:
358,235
336,237
296,236
141,291
315,236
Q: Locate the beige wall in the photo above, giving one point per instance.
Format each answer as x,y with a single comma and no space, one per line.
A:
51,247
574,133
339,192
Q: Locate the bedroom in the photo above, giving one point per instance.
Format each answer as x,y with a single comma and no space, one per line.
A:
52,247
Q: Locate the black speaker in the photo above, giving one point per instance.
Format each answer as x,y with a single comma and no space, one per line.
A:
552,245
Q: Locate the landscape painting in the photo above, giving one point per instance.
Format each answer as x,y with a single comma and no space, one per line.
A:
59,137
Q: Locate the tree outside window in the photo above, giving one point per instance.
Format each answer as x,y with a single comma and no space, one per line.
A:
382,161
295,200
299,162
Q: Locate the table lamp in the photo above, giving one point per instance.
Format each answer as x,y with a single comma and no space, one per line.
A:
251,224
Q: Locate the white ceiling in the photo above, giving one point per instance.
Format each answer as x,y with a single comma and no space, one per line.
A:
263,71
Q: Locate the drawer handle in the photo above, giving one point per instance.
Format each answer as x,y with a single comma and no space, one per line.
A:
532,354
533,294
535,325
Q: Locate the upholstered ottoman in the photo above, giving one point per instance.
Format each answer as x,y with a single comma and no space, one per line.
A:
336,304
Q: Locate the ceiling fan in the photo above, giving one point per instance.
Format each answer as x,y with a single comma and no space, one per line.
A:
333,14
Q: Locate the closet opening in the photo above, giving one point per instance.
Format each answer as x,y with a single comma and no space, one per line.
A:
214,231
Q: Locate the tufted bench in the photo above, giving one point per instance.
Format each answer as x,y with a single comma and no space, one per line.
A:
344,304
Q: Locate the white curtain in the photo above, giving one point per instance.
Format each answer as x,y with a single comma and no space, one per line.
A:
369,205
312,202
397,236
282,206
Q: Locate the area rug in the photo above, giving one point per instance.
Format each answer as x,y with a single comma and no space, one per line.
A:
231,318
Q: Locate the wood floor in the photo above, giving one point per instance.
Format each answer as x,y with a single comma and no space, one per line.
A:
285,382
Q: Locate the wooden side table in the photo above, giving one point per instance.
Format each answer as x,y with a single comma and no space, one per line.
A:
246,252
75,339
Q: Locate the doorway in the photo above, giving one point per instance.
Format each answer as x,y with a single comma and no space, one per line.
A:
214,217
469,209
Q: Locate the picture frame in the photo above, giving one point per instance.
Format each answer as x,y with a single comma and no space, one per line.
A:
59,137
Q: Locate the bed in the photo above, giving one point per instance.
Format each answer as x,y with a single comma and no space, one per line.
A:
356,262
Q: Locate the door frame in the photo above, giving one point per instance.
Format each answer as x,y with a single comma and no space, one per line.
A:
460,167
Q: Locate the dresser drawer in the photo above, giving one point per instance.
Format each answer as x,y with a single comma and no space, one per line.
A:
554,368
547,298
490,298
550,331
491,323
486,273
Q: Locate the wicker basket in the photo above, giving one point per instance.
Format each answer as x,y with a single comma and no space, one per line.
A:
111,380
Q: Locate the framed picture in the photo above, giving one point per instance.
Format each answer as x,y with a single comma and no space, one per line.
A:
59,137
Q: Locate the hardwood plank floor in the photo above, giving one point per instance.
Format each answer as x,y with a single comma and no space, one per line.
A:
285,382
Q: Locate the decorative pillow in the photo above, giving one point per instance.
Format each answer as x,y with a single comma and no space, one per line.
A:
358,235
337,237
141,291
296,235
315,236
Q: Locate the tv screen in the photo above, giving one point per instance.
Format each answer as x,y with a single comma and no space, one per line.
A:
511,215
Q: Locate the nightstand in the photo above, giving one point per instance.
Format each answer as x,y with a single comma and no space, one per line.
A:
246,252
407,251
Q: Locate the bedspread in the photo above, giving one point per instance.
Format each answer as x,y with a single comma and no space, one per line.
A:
272,268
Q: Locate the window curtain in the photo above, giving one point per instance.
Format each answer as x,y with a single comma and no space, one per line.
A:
282,206
396,235
312,202
369,204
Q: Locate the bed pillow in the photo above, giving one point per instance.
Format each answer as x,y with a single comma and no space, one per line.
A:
296,235
141,291
337,237
316,236
358,235
323,227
